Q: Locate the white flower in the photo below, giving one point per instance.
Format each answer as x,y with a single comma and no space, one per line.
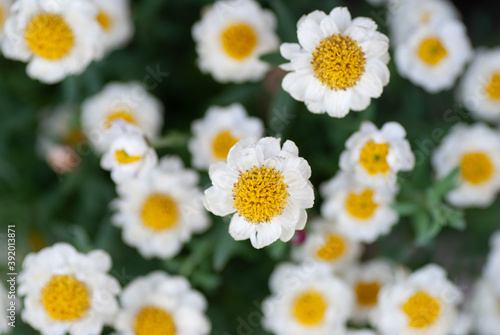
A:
116,22
423,303
6,307
339,65
406,16
159,212
159,303
363,213
66,291
433,56
127,101
475,150
366,280
376,156
267,186
479,89
129,155
230,38
492,266
325,244
218,131
360,332
486,307
4,13
56,38
306,300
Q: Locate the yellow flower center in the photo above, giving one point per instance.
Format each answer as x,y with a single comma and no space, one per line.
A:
65,298
49,36
239,40
124,158
74,137
120,114
333,248
431,51
338,62
222,143
373,158
1,18
260,194
309,308
160,212
493,88
154,321
361,206
104,20
422,310
476,168
367,293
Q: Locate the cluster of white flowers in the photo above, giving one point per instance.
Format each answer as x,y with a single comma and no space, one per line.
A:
61,38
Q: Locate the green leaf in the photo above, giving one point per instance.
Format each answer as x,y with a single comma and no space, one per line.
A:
274,59
224,251
447,184
405,208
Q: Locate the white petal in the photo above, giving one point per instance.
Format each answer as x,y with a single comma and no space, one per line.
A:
240,229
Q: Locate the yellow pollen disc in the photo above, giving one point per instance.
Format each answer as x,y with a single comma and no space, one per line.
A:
422,310
309,308
476,168
239,40
120,114
338,62
333,248
65,298
74,137
222,143
49,36
260,194
373,158
160,212
154,321
493,88
361,206
1,18
431,51
124,158
367,293
104,20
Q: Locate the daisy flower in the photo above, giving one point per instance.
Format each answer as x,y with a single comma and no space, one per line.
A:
55,38
4,306
433,56
376,156
68,292
116,22
339,63
486,307
475,149
127,101
4,13
267,186
492,267
325,244
363,213
479,89
306,300
218,131
423,303
159,303
158,213
230,38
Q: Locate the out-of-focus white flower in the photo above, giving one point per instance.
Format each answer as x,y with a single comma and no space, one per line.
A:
485,307
116,22
492,267
4,13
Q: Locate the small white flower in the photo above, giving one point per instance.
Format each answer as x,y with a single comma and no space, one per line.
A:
218,131
475,150
267,186
5,306
129,155
423,303
376,156
127,101
492,267
325,244
230,38
66,291
159,212
433,56
306,300
159,303
479,88
55,38
339,65
360,332
486,307
367,280
4,13
116,22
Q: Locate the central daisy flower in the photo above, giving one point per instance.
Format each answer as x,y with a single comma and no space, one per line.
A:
160,212
338,62
367,293
239,40
422,310
65,298
361,206
432,51
309,308
152,320
373,157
